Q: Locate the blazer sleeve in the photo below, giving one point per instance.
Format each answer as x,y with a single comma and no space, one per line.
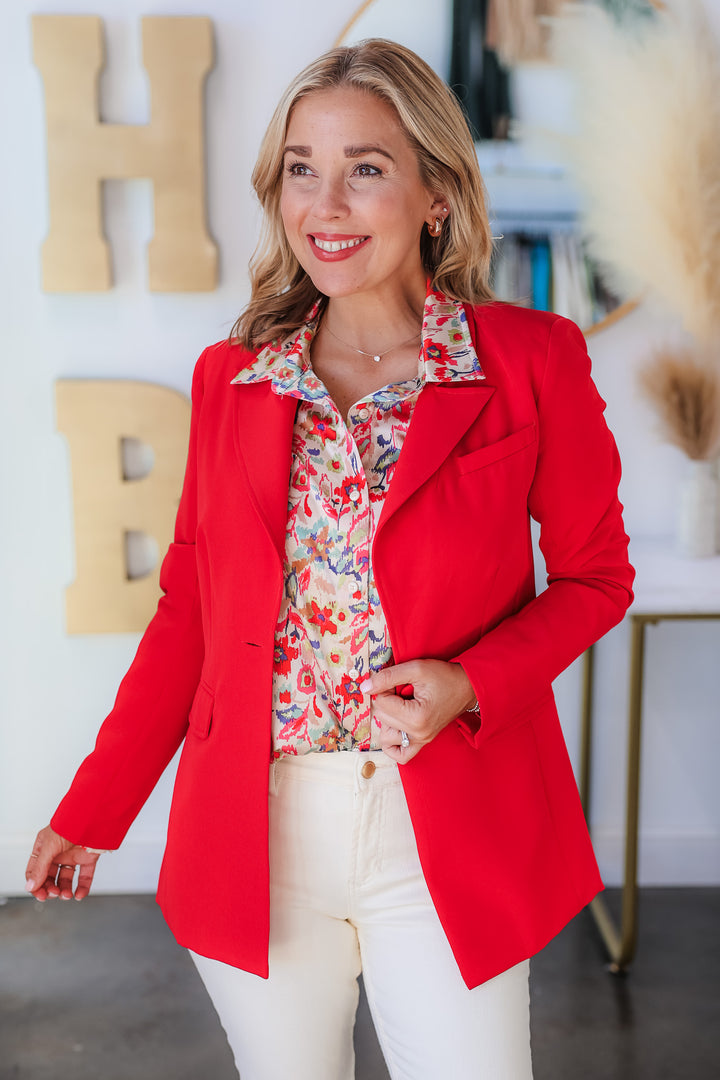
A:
574,498
150,715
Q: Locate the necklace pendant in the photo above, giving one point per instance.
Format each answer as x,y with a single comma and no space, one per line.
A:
376,359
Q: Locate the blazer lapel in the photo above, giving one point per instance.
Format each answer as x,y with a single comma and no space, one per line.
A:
442,415
263,426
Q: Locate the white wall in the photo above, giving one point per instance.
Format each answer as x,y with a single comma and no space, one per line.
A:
55,689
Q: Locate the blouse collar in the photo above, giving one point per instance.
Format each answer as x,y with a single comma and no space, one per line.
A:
447,353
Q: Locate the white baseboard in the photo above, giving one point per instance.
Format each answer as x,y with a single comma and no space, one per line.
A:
665,859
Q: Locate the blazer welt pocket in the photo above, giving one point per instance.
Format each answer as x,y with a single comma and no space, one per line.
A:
201,712
486,455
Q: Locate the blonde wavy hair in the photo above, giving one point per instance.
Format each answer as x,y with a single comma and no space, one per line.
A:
458,261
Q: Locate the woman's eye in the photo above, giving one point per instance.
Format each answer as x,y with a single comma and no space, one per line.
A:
367,170
296,168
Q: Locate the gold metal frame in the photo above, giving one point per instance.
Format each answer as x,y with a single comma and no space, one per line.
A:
351,22
621,941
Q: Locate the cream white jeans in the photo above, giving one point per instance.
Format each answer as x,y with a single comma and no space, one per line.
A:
348,894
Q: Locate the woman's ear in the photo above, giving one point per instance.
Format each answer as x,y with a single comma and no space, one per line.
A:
438,211
440,206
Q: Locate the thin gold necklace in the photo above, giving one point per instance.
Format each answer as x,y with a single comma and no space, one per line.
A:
377,357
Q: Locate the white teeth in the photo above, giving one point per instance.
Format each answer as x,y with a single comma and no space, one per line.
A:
338,245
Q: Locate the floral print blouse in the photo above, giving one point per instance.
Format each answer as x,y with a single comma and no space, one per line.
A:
331,632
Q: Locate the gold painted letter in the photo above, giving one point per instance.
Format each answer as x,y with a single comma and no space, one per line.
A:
98,417
82,151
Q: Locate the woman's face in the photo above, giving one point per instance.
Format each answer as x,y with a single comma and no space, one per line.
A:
353,204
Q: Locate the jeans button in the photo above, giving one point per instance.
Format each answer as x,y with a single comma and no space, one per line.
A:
368,769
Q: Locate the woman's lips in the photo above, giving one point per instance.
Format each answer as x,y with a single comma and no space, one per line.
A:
333,247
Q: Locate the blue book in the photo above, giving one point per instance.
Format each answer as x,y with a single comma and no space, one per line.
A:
540,269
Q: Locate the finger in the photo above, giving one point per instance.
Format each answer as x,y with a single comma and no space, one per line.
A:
389,736
394,710
46,889
395,753
85,879
66,873
390,677
391,742
42,866
52,889
398,742
401,755
38,869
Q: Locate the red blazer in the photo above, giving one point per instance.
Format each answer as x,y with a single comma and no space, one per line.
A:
494,805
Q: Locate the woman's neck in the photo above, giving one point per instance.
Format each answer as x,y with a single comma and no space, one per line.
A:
374,323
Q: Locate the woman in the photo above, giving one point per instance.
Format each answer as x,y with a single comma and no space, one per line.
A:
373,773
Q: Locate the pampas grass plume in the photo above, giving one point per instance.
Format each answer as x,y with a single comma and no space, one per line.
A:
647,151
685,391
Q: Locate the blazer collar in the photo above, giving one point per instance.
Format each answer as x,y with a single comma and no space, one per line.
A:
447,406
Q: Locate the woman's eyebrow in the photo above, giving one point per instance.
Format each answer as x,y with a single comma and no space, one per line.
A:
350,151
360,151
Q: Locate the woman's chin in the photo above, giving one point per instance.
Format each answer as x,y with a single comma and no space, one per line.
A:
333,285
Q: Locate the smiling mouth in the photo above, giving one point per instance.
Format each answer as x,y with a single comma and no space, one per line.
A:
338,245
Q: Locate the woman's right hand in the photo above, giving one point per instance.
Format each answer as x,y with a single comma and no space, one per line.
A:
51,867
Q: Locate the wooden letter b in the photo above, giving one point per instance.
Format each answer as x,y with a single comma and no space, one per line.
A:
96,416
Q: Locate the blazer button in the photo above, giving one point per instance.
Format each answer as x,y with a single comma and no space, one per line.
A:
368,769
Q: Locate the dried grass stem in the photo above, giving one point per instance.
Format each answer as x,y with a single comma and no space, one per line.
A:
685,391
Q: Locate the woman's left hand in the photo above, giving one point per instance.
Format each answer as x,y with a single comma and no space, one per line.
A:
441,691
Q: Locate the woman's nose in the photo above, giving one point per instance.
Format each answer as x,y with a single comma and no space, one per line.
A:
331,202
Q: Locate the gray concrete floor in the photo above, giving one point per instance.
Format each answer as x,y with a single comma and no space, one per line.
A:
100,991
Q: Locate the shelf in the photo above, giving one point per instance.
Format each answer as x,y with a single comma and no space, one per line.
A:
526,192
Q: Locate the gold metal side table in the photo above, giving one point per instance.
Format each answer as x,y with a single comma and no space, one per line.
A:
668,587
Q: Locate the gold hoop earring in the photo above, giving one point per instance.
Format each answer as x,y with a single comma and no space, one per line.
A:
436,229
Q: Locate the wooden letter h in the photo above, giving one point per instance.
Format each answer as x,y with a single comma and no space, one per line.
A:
82,151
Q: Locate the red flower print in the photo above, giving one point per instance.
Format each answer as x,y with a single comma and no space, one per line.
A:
305,680
322,617
435,353
335,657
321,427
285,697
300,480
349,690
283,656
349,485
